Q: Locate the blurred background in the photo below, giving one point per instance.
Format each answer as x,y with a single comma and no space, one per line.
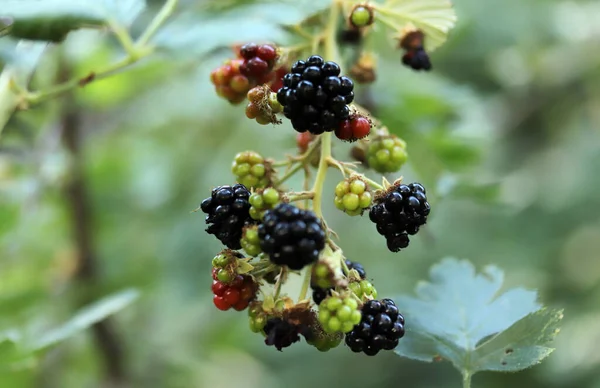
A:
505,131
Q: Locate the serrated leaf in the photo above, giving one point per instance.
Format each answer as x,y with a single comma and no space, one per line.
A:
460,316
52,20
516,348
435,17
88,316
189,34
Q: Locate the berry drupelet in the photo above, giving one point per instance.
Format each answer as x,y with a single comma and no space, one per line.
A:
227,213
358,267
400,213
417,59
281,333
291,236
380,328
315,97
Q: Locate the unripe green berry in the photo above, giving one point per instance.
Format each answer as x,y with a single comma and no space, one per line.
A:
386,154
361,16
352,196
251,169
263,201
339,314
275,105
363,290
220,261
250,241
224,276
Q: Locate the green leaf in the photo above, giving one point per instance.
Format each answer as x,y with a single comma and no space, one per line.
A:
188,35
435,17
52,20
460,316
86,317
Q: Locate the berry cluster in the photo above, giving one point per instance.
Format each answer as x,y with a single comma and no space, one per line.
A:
291,236
250,242
363,289
355,128
321,284
227,213
314,96
339,314
400,212
386,154
380,328
236,294
352,196
251,170
254,66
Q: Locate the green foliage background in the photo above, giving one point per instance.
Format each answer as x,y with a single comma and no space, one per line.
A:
505,130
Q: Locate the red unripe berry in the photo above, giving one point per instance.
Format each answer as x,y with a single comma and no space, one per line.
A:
220,303
267,52
361,127
235,65
254,68
248,50
223,74
215,272
218,288
232,296
240,84
252,110
241,305
247,292
265,79
344,130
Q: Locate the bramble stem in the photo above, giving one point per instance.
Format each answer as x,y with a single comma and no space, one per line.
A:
279,283
467,379
347,170
165,12
299,196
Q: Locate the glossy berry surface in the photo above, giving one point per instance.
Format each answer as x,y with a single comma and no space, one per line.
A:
237,294
386,154
400,213
380,328
358,267
227,212
361,16
314,95
291,236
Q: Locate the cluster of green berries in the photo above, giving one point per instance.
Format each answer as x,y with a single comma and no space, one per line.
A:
257,317
252,170
386,153
363,289
324,342
263,200
339,314
352,196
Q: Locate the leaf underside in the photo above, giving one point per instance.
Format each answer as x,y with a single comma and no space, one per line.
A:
460,316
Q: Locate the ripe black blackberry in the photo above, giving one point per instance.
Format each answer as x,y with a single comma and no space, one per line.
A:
319,294
380,328
314,96
400,213
291,236
227,213
417,59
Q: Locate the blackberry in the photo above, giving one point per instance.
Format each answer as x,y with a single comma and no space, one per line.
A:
281,333
291,236
314,96
417,59
400,213
358,267
380,328
227,213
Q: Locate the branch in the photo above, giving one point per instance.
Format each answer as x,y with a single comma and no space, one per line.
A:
77,200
